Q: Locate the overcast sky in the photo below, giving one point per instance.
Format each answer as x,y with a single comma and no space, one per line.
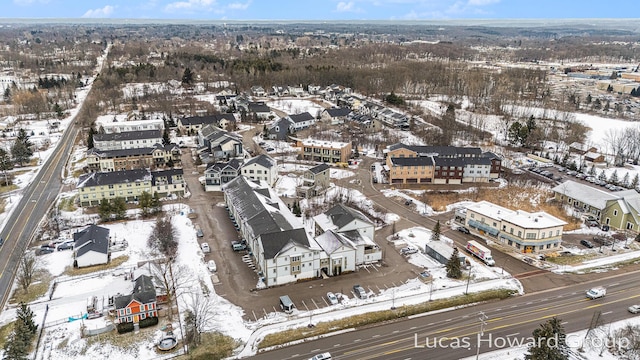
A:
319,9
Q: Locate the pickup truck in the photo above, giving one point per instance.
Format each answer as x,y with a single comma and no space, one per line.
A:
596,292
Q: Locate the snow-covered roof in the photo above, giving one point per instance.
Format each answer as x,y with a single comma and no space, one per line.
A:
521,218
584,193
323,143
330,241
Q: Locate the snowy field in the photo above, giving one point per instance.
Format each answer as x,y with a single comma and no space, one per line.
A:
296,106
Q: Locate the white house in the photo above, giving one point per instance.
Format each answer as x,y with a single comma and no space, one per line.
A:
91,246
355,226
339,253
302,120
261,168
286,256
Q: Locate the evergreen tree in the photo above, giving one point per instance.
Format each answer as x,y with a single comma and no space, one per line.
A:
92,132
16,347
625,179
104,210
187,77
5,164
602,176
614,178
435,233
550,342
588,100
453,266
25,315
144,201
165,137
119,208
20,153
634,182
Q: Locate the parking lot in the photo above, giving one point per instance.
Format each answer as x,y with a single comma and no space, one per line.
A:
236,278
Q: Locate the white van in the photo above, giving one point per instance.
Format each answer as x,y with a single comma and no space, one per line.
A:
286,304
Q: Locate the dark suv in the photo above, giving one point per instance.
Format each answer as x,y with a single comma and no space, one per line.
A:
586,243
464,230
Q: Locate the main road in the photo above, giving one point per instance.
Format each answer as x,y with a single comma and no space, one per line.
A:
506,321
36,200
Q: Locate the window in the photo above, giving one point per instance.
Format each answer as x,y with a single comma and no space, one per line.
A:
542,235
531,235
615,212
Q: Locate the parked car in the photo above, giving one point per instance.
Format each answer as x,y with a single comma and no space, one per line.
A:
586,243
205,248
592,223
464,230
408,202
425,274
238,246
211,265
634,309
45,249
408,250
66,245
359,291
323,356
333,299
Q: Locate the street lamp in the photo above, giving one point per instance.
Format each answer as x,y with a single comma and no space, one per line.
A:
482,318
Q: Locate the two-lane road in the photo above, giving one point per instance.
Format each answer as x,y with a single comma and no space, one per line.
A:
509,320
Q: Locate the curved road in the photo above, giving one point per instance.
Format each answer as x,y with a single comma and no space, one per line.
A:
507,320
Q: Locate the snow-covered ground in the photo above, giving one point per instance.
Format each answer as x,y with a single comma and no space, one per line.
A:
68,299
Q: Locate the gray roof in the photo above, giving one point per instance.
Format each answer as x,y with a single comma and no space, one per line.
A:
143,292
263,160
168,173
206,120
319,168
129,135
92,238
219,166
441,151
131,152
413,161
305,116
251,210
114,177
341,215
448,161
275,242
258,107
338,112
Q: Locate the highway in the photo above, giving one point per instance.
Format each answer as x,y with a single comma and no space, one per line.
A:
433,336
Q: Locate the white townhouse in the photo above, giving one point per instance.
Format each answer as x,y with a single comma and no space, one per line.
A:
261,168
127,140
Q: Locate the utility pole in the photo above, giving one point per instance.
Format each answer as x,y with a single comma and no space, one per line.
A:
483,323
466,292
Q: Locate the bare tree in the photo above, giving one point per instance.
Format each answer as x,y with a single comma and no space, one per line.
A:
198,317
26,271
163,238
173,279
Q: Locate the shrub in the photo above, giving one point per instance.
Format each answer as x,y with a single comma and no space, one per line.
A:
124,328
150,321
